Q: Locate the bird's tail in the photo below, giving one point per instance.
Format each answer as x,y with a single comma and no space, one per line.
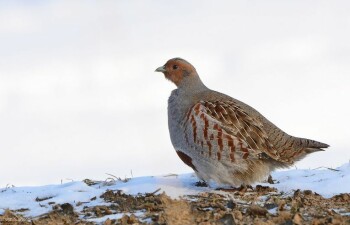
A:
306,146
311,145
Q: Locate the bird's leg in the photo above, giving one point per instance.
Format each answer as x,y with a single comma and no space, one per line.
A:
270,180
242,188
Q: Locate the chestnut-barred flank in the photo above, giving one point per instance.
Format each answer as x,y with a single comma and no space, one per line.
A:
186,159
221,138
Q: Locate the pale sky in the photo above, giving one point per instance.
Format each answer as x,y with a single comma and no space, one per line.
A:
79,96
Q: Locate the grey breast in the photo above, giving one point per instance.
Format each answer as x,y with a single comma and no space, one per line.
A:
177,108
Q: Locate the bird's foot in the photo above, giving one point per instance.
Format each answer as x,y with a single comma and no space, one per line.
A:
244,188
201,184
270,180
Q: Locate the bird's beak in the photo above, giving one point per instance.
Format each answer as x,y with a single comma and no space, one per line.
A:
160,69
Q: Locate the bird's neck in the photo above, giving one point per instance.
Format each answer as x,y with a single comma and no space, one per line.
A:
192,84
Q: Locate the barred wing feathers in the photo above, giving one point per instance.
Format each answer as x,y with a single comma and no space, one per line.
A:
222,129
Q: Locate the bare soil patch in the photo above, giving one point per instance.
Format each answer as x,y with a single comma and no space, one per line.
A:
261,205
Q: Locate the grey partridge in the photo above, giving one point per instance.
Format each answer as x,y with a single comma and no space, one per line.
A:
221,138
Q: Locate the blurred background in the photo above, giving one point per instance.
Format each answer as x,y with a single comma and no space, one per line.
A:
79,97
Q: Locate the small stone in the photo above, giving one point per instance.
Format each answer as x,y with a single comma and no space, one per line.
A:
231,204
270,205
296,193
238,215
124,220
288,222
108,222
281,205
297,219
67,209
257,210
227,219
307,192
132,219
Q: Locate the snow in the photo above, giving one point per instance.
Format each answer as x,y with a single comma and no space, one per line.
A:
324,181
173,185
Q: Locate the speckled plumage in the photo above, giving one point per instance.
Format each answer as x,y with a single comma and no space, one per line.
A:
221,138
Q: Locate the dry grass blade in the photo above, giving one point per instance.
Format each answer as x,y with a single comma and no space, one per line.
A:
323,167
118,178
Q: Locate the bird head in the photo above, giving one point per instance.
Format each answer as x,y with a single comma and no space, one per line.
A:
177,70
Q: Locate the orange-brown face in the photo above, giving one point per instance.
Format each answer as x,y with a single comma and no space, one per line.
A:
176,69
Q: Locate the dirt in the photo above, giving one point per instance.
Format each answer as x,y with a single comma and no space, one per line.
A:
260,205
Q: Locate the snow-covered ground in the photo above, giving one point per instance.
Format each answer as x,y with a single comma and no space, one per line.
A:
39,200
325,181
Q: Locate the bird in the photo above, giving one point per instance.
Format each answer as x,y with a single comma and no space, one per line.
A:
223,139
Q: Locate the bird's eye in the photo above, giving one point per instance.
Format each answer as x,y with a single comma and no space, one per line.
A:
175,67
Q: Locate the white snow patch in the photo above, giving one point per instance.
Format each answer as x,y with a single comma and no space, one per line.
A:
325,181
74,192
273,211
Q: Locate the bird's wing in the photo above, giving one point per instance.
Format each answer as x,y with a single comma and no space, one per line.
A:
224,129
